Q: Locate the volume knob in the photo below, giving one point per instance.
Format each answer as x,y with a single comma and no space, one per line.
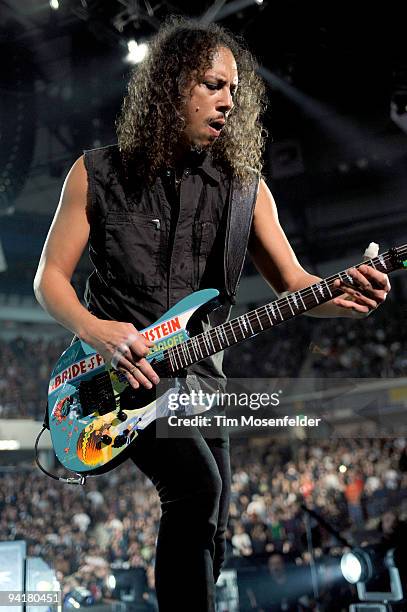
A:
119,441
106,439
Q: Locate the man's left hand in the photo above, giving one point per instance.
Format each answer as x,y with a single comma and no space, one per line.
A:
366,293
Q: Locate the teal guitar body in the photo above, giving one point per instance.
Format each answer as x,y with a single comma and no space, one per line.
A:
93,413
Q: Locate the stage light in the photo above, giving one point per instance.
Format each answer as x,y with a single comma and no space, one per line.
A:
351,567
137,52
342,468
374,571
54,4
258,1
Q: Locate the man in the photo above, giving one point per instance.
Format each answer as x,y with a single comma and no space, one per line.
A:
156,212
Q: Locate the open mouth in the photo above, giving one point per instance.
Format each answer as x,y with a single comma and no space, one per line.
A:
216,127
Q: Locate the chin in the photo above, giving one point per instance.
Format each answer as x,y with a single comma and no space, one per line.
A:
201,146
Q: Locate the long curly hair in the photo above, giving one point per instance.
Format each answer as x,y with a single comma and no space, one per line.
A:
151,118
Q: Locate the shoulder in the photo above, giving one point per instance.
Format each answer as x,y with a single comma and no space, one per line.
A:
96,158
264,198
76,180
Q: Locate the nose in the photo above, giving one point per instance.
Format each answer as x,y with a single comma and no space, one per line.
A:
226,103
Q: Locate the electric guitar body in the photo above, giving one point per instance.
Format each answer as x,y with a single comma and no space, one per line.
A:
93,412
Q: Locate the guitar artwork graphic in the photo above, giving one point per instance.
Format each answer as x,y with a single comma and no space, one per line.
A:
95,415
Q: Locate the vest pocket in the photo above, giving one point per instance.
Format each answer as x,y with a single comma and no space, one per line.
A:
133,243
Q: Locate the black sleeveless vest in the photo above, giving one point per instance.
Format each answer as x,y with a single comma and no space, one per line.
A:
148,253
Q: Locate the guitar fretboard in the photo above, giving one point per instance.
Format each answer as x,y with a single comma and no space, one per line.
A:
265,317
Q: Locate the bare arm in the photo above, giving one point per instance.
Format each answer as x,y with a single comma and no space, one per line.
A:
276,261
65,243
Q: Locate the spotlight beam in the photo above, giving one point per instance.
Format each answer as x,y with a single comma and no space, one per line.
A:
149,9
353,140
212,11
133,13
234,7
309,105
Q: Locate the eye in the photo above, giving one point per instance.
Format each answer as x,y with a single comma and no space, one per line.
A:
211,86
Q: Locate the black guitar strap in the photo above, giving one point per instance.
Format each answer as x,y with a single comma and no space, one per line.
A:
46,418
240,215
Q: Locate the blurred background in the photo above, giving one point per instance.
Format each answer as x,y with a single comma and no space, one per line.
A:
336,161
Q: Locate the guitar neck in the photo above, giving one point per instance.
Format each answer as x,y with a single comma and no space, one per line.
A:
265,317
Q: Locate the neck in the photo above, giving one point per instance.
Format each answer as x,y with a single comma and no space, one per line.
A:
185,154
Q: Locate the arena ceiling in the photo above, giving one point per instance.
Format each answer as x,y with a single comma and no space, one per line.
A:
332,71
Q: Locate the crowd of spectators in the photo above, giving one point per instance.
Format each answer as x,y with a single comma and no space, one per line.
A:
25,368
358,485
86,532
374,347
278,352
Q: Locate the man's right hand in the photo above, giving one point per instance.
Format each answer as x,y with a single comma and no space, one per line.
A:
124,346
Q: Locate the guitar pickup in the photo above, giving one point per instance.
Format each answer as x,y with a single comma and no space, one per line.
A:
96,395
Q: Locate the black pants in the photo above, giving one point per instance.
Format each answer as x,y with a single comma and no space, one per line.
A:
191,473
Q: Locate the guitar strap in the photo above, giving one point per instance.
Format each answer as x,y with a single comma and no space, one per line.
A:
241,209
46,417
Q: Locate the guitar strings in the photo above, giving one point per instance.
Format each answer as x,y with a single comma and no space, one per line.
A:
251,316
261,312
205,339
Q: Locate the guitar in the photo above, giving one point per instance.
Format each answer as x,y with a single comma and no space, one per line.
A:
94,414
